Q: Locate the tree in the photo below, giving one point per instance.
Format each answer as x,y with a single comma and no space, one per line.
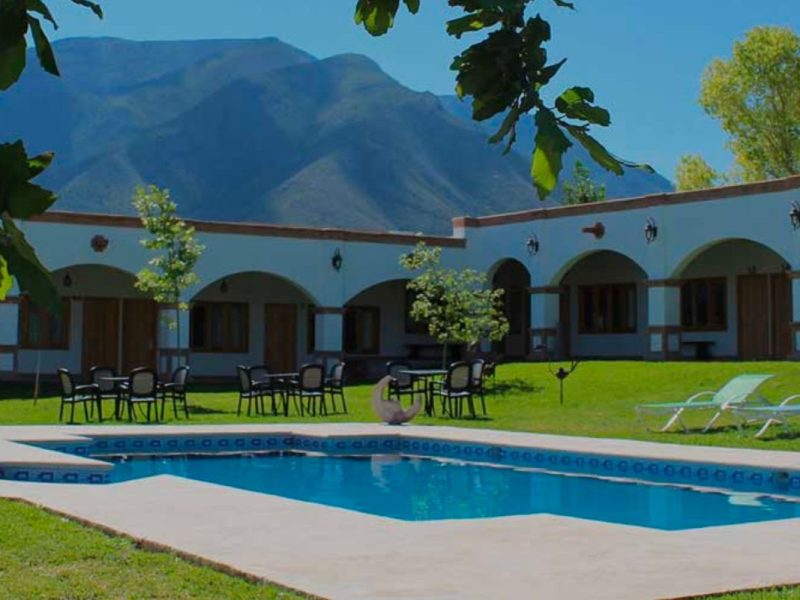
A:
582,190
694,173
755,95
505,74
456,305
172,269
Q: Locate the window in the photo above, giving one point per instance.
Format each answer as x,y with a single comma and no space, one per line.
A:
362,330
704,304
607,308
412,325
219,327
41,329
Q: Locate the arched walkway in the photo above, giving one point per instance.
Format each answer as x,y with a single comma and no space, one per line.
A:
513,277
736,298
251,318
603,306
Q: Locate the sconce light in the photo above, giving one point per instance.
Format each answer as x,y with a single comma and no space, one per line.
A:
532,244
337,260
650,230
794,215
223,287
67,281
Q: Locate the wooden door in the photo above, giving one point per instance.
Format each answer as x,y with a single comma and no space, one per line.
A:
139,331
280,337
100,333
754,329
781,288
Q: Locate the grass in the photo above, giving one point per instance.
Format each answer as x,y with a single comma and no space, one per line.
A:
599,401
44,556
71,561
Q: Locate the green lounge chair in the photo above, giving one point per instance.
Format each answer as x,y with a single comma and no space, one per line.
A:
733,393
771,414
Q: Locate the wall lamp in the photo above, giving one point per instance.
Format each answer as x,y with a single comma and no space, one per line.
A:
532,244
794,215
337,260
223,287
650,230
67,281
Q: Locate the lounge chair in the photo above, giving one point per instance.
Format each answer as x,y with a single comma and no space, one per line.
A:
733,393
771,414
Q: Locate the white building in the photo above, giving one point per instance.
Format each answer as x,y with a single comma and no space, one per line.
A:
717,267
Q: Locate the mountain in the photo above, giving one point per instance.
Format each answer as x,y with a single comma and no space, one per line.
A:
259,130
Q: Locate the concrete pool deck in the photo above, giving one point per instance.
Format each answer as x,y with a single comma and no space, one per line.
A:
335,553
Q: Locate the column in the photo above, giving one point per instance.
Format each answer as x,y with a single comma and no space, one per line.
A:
171,353
328,330
664,319
9,343
795,324
545,319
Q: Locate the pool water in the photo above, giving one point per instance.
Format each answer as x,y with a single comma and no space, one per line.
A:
421,489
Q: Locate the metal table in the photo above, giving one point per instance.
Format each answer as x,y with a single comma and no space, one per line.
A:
424,375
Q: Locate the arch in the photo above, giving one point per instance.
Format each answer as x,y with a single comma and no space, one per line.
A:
690,257
221,287
565,269
376,286
505,263
96,280
514,278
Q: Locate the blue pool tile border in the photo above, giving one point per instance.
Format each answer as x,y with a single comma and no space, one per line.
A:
746,479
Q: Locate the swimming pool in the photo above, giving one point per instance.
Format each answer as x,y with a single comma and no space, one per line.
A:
424,489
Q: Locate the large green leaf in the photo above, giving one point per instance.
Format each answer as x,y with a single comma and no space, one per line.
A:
377,16
37,6
29,272
94,6
43,48
6,281
27,199
575,104
13,23
12,63
551,144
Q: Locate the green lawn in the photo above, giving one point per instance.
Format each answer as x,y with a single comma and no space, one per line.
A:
44,556
600,397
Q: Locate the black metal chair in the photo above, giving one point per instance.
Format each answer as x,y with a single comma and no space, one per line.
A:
454,390
175,390
334,385
106,389
264,385
73,394
310,387
142,389
402,384
476,379
248,392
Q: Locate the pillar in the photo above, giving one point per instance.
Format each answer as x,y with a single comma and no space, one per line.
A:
9,331
545,319
328,332
795,325
664,319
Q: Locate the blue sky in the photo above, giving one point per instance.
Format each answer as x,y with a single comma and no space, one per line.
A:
643,58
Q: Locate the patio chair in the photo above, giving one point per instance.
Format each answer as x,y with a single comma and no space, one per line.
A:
106,390
454,390
142,389
175,390
733,393
771,414
264,386
248,392
402,384
310,388
477,376
334,385
73,394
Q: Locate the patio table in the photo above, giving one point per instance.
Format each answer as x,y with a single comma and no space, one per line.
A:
283,380
118,380
424,375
